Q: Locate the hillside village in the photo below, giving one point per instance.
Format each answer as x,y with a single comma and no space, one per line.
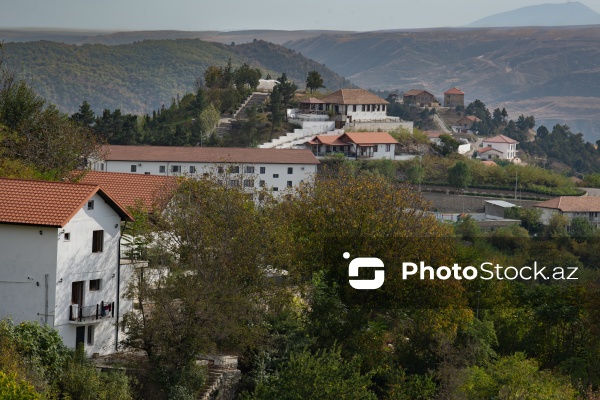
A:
196,247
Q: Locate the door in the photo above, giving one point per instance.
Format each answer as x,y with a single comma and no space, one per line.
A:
77,293
79,335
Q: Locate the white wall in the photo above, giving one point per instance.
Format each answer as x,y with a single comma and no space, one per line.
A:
508,150
275,176
76,262
25,258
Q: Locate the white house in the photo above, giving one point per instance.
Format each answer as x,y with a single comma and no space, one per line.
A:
356,105
59,263
357,145
587,207
503,147
247,167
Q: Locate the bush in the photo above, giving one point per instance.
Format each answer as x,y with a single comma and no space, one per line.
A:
12,388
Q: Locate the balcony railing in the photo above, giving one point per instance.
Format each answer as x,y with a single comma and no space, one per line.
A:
94,313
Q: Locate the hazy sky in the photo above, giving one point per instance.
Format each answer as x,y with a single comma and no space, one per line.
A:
355,15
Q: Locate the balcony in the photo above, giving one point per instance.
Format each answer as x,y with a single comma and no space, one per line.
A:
91,314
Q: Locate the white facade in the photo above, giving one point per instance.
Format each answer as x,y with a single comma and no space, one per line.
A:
509,150
592,217
41,267
361,112
274,176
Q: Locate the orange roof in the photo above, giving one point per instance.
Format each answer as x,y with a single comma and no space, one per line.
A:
454,91
572,204
433,134
43,203
416,92
500,139
486,149
131,189
330,140
208,155
368,138
353,96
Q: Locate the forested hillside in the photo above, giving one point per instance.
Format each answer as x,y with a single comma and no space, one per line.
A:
140,77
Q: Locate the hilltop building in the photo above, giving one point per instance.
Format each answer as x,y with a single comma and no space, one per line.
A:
420,98
500,146
586,207
454,97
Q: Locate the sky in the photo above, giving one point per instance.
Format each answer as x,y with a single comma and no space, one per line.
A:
227,15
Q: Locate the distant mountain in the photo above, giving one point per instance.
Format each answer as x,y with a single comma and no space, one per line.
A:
128,37
562,14
509,66
142,76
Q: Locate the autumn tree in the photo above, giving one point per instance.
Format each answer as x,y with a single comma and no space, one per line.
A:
314,81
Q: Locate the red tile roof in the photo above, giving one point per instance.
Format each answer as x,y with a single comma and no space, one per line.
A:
330,140
572,204
365,138
208,155
433,134
132,189
500,139
454,91
486,149
30,202
416,92
353,96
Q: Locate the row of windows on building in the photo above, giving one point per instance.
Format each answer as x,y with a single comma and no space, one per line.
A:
234,169
248,183
388,147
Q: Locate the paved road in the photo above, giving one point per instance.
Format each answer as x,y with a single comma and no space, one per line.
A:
440,123
592,191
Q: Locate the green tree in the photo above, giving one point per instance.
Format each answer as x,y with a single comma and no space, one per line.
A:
323,375
314,81
447,145
459,176
209,120
246,76
581,229
276,109
85,115
14,388
287,89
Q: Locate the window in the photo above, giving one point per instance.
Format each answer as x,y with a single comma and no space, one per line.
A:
192,169
94,285
90,335
388,147
234,183
101,166
249,170
134,168
263,170
220,170
176,169
234,169
364,107
248,182
275,189
354,108
289,183
261,183
275,175
375,148
383,107
146,173
67,236
368,107
162,169
91,205
97,241
290,170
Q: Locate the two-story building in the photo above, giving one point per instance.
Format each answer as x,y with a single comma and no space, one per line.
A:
454,98
355,145
420,98
586,207
356,105
499,146
59,260
245,167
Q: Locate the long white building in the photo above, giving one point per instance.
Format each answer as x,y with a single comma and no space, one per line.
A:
247,167
59,260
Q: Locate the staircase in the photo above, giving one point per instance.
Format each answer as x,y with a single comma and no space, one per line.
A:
256,99
221,383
